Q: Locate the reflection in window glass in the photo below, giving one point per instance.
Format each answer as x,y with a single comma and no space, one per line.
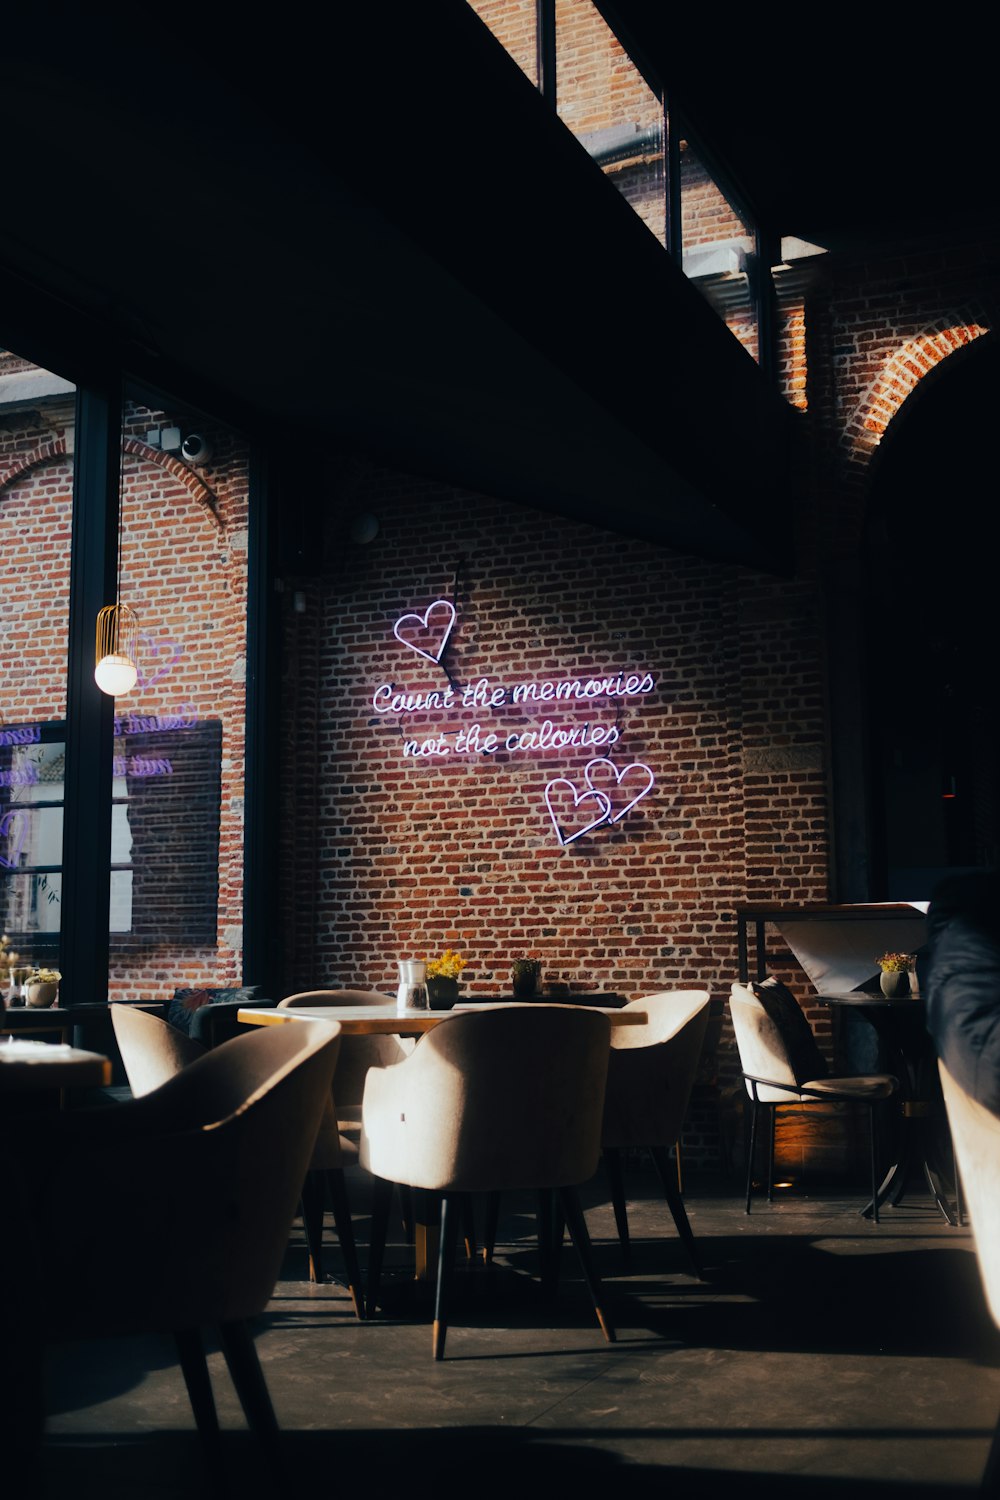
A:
718,246
37,416
513,23
177,830
604,99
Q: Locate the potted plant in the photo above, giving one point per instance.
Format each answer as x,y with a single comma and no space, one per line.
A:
524,977
443,975
895,976
42,985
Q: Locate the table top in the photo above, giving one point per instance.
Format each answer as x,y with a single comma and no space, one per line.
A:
867,1000
368,1020
824,911
43,1065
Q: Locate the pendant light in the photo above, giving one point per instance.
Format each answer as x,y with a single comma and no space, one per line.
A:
117,625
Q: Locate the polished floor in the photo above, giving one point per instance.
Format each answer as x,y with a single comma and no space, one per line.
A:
820,1355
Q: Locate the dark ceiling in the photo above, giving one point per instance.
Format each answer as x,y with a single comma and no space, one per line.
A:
375,238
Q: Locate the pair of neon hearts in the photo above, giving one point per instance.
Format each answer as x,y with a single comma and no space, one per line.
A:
606,798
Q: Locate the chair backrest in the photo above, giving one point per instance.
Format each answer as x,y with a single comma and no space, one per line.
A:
652,1068
357,1053
975,1132
762,1046
493,1099
335,997
151,1049
173,1210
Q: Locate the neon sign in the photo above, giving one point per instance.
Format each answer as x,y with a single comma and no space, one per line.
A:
604,768
595,768
608,794
409,623
587,795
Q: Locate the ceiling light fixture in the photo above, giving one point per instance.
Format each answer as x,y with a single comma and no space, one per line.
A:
117,646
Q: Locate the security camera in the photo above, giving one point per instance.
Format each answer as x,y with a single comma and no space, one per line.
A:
196,449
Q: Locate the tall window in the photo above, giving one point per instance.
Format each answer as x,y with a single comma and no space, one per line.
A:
179,737
37,414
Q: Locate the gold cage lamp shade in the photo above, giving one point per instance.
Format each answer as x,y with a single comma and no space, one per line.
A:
117,649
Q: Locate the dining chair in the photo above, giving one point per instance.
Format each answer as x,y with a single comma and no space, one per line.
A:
490,1101
975,1132
782,1064
171,1212
153,1051
357,1055
651,1072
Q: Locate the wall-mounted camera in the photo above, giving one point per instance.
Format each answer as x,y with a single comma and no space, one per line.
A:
196,449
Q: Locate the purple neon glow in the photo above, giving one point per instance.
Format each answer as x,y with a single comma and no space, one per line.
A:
619,776
423,621
151,650
599,797
10,822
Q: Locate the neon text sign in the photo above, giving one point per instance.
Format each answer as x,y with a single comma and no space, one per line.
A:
608,794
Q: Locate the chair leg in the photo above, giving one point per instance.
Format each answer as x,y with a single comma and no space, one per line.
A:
469,1226
251,1387
191,1356
616,1178
337,1188
312,1223
770,1153
754,1107
452,1204
874,1150
676,1204
990,1482
381,1200
548,1246
569,1202
490,1226
248,1378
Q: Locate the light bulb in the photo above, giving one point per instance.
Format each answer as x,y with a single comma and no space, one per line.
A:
115,675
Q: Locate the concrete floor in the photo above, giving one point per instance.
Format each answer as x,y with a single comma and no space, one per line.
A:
820,1355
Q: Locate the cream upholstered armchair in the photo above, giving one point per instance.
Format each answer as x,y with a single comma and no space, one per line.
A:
153,1051
975,1132
201,1177
500,1098
782,1064
651,1073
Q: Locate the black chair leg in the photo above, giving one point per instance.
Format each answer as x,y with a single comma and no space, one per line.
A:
381,1201
616,1179
569,1203
770,1153
452,1205
675,1202
248,1378
547,1262
751,1148
874,1150
490,1225
468,1226
312,1223
990,1482
191,1355
337,1188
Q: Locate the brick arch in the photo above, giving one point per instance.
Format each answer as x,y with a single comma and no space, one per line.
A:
55,448
902,373
44,453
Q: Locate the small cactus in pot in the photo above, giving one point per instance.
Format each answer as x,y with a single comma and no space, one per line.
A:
524,977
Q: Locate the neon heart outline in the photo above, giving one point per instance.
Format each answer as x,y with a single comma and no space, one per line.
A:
5,826
152,648
422,622
636,765
577,799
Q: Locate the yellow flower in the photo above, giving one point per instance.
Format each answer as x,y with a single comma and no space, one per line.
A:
448,966
896,963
